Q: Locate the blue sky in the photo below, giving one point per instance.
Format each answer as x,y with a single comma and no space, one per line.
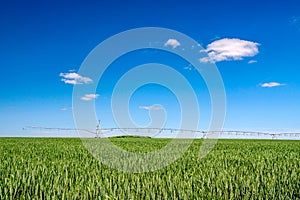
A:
41,40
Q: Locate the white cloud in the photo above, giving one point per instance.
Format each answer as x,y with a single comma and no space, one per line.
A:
89,97
229,49
271,84
72,70
252,61
66,108
173,43
155,107
189,67
74,78
295,21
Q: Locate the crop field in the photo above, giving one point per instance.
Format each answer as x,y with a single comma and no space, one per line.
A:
61,168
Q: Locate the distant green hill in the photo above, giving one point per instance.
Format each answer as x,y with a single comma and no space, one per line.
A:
130,136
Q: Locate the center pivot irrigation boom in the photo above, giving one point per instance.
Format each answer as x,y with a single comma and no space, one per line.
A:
97,132
153,132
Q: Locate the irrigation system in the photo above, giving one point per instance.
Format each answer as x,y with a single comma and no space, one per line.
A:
160,132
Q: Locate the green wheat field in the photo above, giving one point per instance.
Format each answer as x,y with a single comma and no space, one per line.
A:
61,168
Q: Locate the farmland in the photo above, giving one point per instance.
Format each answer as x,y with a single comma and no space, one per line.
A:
61,168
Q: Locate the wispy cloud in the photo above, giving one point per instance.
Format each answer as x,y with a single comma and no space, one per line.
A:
155,107
65,108
72,70
252,61
189,67
89,97
74,78
173,43
271,84
295,21
215,38
229,49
